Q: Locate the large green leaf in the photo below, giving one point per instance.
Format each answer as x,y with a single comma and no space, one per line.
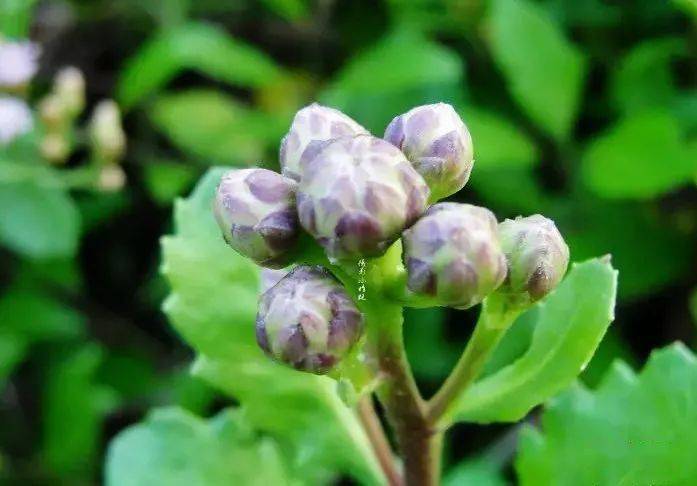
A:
544,71
633,430
476,472
198,46
38,222
214,127
641,157
176,448
402,70
213,306
570,324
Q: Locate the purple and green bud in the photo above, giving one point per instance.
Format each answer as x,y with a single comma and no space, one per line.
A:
255,209
536,253
437,143
357,195
311,128
453,254
308,321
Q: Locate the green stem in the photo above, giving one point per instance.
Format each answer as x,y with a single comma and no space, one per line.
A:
406,411
495,319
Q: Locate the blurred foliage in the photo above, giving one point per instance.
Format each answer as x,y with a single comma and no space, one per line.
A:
584,111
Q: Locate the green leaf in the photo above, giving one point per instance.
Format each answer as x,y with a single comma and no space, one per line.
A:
176,448
292,10
214,127
641,157
38,222
643,79
198,46
544,71
497,142
213,306
402,70
74,407
633,430
165,180
479,472
571,322
15,17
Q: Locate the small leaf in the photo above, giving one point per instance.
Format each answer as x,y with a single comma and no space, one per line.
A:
544,70
213,306
165,180
634,429
15,18
641,157
176,448
570,324
198,46
38,222
402,70
643,79
214,127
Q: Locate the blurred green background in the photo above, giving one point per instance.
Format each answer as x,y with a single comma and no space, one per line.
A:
584,111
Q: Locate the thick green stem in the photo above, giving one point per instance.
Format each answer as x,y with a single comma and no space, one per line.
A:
419,442
495,319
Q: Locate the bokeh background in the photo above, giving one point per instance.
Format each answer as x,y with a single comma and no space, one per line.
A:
584,111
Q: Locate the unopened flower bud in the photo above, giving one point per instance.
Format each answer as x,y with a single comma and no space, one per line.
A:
18,63
269,277
437,143
69,88
357,195
308,321
15,119
453,254
255,209
106,132
312,126
536,253
54,148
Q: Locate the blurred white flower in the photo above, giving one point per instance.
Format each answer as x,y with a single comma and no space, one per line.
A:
15,119
18,63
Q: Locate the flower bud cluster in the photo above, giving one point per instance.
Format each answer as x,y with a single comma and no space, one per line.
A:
356,194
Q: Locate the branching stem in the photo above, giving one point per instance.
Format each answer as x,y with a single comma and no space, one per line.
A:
495,319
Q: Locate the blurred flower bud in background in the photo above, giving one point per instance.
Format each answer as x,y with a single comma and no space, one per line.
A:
311,127
55,148
437,143
106,133
453,253
308,321
536,253
15,119
18,63
69,88
111,178
255,209
357,195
